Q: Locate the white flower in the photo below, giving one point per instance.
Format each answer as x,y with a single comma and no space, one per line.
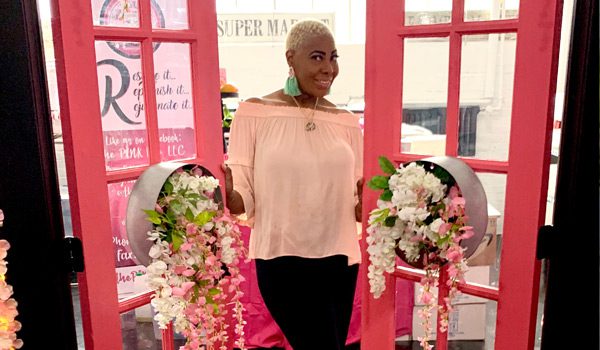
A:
228,254
157,267
411,214
404,196
176,268
209,184
155,251
415,191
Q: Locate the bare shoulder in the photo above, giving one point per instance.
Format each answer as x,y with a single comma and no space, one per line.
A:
332,108
272,99
254,100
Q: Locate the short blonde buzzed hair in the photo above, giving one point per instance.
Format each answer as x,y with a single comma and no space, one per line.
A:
303,30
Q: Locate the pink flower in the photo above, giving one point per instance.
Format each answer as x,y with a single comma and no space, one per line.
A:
178,269
210,260
188,272
458,201
185,247
454,192
466,230
197,171
416,238
190,228
453,255
158,209
185,287
452,272
191,280
426,297
444,228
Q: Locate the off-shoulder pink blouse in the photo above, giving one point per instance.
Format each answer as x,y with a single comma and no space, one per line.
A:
298,186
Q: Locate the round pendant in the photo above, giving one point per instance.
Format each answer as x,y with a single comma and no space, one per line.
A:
310,126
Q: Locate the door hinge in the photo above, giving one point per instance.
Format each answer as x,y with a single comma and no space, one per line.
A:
545,242
73,254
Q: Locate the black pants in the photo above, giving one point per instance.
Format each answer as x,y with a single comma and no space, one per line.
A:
309,299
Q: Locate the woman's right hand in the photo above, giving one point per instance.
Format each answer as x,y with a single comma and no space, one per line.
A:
228,180
233,199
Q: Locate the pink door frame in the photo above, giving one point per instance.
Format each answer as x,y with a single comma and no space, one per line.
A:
74,37
538,31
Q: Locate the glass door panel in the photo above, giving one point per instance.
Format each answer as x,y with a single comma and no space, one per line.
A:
489,10
486,92
122,104
174,102
116,13
424,96
421,12
174,14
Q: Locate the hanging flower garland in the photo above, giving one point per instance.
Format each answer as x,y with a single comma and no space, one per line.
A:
420,216
195,257
8,306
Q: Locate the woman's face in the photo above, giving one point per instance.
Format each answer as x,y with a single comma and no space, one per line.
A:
315,64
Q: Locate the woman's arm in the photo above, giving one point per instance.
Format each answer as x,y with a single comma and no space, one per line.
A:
234,200
358,207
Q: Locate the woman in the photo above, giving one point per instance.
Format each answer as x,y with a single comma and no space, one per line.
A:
294,168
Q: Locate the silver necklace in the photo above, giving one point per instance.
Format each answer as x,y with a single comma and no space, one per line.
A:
310,124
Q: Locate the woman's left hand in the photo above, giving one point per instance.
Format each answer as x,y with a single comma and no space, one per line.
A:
358,207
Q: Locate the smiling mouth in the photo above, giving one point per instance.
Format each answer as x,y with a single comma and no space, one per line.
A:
325,84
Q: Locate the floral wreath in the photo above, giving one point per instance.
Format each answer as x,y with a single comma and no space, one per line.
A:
195,256
420,217
8,306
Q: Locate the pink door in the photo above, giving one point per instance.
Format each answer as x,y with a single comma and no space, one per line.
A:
117,122
416,57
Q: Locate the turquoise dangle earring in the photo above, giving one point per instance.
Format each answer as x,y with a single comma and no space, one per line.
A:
291,87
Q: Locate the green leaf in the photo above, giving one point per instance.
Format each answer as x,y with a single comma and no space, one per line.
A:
168,188
443,240
384,214
390,221
386,165
189,215
196,294
153,217
204,217
386,195
378,182
214,291
203,283
175,205
170,217
177,242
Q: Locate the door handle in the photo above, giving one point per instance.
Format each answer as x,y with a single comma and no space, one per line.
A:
73,254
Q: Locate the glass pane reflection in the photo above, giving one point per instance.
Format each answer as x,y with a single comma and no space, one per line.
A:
174,102
420,12
425,95
113,13
170,14
486,91
488,10
121,102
